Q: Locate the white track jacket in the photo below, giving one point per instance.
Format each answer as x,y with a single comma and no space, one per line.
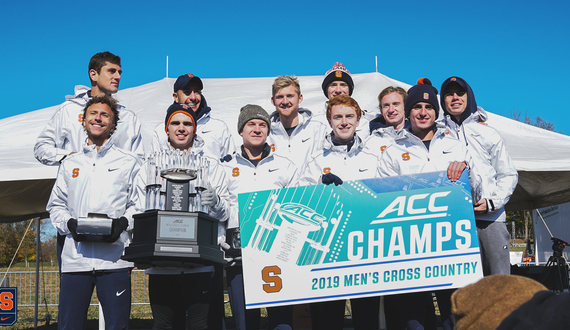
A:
95,182
306,137
272,172
350,165
64,133
491,160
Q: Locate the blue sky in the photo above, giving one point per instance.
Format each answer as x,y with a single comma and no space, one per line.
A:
513,54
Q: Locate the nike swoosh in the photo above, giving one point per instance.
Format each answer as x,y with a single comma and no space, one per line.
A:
447,152
208,131
113,169
305,140
120,293
273,169
4,318
362,169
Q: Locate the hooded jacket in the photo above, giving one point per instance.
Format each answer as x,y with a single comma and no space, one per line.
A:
307,136
348,165
215,133
272,172
488,151
64,133
94,181
380,139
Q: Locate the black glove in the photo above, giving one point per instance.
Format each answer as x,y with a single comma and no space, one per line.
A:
331,178
72,226
119,225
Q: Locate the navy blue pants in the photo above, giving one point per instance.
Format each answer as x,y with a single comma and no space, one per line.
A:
330,314
113,291
244,318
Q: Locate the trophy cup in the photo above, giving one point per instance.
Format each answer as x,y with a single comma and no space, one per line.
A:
175,230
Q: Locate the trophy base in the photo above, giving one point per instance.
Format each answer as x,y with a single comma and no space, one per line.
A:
174,239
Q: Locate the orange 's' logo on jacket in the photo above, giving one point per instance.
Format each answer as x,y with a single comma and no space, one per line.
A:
406,156
326,170
235,171
75,173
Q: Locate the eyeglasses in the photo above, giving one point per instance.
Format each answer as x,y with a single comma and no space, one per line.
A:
459,94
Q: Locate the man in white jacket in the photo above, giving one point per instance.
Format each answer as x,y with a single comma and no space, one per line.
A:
215,133
64,133
391,102
254,168
491,159
178,294
424,147
100,178
342,158
294,134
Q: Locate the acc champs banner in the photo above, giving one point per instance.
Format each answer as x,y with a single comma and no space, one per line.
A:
363,238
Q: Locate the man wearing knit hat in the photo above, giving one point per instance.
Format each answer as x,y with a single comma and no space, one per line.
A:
215,133
492,161
294,132
338,81
255,167
191,290
424,147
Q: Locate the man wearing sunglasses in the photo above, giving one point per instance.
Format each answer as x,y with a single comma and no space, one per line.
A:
492,162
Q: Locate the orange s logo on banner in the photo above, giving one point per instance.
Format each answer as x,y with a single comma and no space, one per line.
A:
235,171
8,306
326,170
274,284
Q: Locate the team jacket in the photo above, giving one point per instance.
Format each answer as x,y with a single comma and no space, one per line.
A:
95,182
354,164
380,139
215,133
306,137
409,155
218,181
64,133
491,160
272,172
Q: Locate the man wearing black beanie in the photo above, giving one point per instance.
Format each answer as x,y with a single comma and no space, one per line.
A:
423,147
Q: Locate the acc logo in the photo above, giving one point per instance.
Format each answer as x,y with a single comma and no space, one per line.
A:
8,306
235,171
426,96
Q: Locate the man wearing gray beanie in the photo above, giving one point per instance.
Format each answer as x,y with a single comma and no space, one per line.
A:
253,168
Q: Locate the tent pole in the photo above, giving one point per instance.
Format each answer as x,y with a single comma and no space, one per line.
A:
166,66
376,60
38,242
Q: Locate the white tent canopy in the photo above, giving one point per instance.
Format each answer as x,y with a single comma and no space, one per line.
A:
541,157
